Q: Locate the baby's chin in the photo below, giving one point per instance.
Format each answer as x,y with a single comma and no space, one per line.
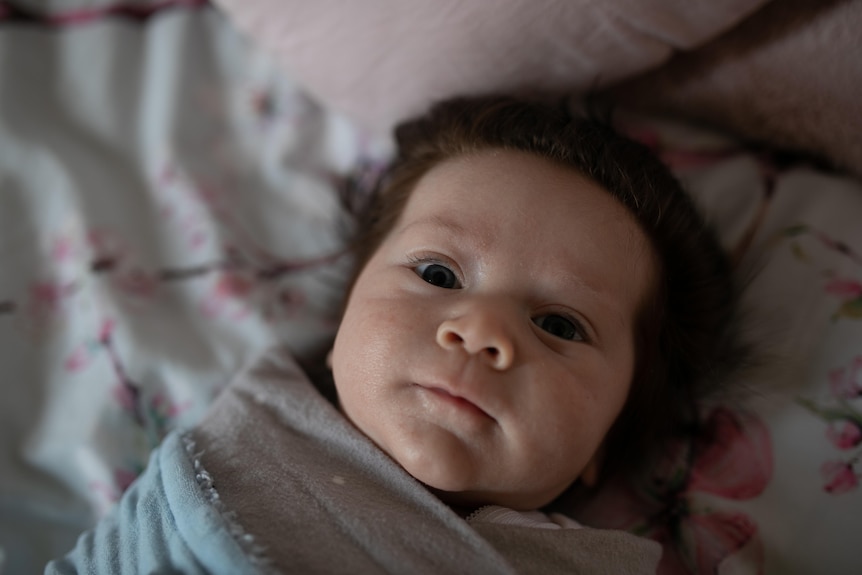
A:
455,483
451,475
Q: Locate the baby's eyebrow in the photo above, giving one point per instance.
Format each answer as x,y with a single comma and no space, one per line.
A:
449,225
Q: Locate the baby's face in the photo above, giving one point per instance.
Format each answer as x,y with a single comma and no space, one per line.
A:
488,344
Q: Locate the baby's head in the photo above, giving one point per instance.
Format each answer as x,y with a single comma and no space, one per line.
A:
536,298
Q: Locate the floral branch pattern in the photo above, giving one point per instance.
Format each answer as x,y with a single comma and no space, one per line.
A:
730,458
841,410
244,269
847,289
844,427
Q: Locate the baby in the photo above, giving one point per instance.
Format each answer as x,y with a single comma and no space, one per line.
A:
535,304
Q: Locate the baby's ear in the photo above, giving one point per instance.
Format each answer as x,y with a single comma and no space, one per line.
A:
590,474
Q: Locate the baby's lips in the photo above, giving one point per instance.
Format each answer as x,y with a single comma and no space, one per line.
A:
452,393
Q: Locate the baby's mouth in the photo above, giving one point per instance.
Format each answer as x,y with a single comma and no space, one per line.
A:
457,401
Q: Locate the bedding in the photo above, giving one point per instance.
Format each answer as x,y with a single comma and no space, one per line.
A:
169,210
248,491
448,48
784,78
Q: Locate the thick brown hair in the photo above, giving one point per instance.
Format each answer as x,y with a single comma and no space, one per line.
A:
686,332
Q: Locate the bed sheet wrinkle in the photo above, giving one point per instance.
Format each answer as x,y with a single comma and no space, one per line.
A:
162,221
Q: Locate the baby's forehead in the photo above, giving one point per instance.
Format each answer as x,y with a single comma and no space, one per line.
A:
474,163
559,227
460,194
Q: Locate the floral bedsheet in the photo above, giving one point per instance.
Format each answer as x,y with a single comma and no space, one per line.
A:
770,483
169,209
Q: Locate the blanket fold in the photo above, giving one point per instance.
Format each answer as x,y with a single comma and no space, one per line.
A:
319,496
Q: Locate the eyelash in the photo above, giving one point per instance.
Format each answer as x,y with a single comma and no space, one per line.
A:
580,335
416,261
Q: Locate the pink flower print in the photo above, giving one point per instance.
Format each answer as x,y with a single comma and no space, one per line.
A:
107,250
124,395
106,330
844,288
732,459
717,536
197,238
644,135
46,299
844,383
136,282
850,291
838,477
733,456
230,296
617,505
233,286
193,231
62,249
162,412
106,495
208,195
676,158
844,434
123,478
77,360
47,295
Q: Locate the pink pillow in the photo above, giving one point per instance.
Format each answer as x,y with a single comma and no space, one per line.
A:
789,77
381,60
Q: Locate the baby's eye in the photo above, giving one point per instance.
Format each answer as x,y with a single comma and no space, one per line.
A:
560,326
437,275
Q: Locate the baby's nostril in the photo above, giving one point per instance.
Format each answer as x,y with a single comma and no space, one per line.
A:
455,338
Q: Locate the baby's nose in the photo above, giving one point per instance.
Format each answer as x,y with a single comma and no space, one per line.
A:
481,333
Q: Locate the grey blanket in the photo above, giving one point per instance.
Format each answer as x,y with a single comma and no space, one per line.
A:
316,496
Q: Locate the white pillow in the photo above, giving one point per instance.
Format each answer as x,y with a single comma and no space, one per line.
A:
382,60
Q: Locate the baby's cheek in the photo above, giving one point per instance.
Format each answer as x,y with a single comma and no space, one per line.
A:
354,401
